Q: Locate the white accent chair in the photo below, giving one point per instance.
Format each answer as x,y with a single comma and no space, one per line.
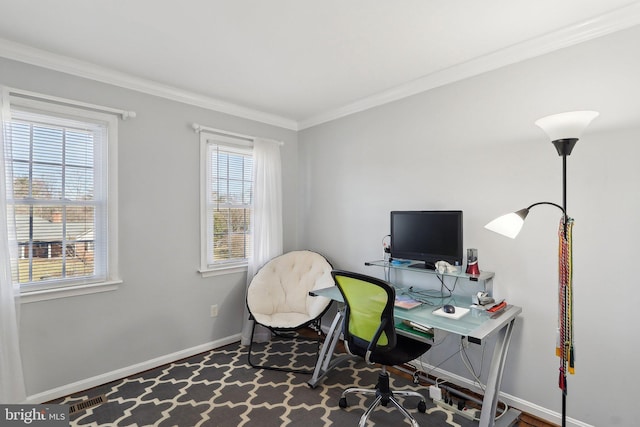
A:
278,298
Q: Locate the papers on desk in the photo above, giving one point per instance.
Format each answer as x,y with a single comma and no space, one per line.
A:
460,311
413,327
406,302
494,308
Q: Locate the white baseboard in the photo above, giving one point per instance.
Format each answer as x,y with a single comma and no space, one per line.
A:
77,386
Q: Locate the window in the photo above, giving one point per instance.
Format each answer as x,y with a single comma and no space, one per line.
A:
61,202
227,197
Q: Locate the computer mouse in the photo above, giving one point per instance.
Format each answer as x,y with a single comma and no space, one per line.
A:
448,308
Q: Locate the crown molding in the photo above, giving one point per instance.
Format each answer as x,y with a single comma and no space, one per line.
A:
617,20
22,53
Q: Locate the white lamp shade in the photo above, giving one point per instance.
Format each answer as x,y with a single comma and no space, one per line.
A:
566,125
508,225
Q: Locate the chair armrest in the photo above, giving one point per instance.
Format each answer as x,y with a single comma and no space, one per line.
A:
374,341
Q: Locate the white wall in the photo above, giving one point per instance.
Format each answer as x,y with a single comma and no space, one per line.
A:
162,308
473,146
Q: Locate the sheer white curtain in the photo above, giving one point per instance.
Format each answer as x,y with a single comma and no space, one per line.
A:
12,389
266,214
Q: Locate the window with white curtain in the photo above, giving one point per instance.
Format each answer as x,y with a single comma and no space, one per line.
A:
226,203
61,164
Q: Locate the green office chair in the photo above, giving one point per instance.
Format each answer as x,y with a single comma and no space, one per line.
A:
369,332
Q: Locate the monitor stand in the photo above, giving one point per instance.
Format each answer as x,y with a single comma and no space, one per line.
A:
425,266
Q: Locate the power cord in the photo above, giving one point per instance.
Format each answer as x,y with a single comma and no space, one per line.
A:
427,293
386,254
441,278
467,363
386,247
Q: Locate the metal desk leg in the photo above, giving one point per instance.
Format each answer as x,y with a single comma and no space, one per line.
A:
490,401
324,364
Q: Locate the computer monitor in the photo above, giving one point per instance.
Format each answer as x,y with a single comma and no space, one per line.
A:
427,236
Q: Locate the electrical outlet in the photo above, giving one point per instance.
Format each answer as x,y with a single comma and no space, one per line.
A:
214,310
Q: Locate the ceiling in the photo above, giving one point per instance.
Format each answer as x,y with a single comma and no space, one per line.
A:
295,63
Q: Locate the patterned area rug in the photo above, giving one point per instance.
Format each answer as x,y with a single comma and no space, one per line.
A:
219,388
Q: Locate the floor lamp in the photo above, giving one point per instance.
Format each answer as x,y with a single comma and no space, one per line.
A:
564,130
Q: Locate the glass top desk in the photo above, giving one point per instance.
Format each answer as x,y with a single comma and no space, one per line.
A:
476,325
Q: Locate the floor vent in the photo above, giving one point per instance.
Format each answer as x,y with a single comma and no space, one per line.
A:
86,404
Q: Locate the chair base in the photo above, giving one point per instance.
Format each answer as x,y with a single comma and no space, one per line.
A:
293,336
384,395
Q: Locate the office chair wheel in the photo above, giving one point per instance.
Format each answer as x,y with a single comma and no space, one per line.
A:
343,402
422,406
385,401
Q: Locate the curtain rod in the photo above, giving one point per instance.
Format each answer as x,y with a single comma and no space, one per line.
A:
124,114
199,128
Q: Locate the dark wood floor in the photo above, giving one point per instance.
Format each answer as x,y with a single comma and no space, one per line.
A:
527,420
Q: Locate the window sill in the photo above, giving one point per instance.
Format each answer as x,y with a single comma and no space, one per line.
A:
68,291
219,271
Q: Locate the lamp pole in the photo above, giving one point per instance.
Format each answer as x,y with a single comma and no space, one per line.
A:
564,147
564,130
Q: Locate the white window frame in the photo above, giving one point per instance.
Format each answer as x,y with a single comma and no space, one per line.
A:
35,293
233,143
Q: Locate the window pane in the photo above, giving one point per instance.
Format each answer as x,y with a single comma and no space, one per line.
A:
238,246
21,182
248,171
80,254
220,192
79,149
51,246
231,233
221,245
46,182
47,145
247,193
20,135
221,171
239,220
221,250
221,221
78,184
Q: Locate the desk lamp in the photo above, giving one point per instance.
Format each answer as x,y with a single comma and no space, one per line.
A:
564,130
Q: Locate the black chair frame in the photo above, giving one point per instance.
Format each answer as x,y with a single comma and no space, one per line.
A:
292,334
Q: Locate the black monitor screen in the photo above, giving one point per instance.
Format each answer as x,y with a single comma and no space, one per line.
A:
427,236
